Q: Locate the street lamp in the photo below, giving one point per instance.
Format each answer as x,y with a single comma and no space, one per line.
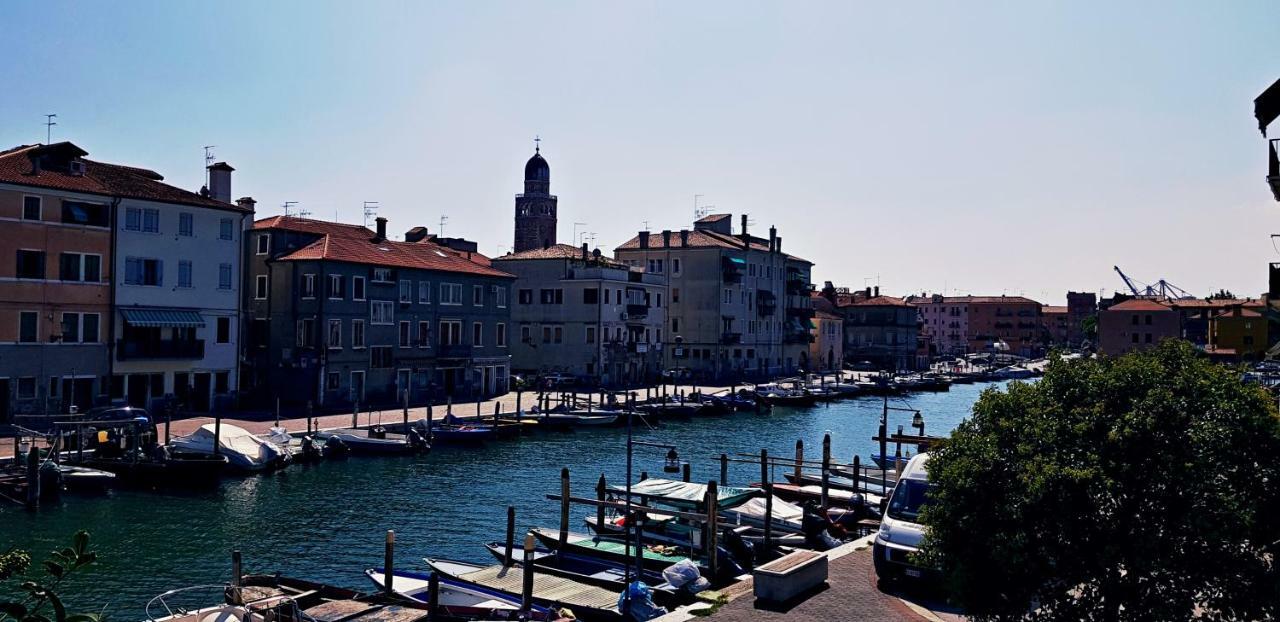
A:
672,465
917,422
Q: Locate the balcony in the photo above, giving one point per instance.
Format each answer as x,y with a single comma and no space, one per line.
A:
637,312
730,339
143,350
638,347
801,313
1273,167
798,287
454,351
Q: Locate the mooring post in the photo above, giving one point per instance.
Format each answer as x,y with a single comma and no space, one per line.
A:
644,475
448,405
519,393
406,412
236,569
600,490
713,531
217,434
355,415
724,469
277,412
479,415
433,596
897,459
310,411
33,475
857,473
764,466
684,471
637,520
768,516
388,561
799,459
168,423
526,588
511,535
430,424
564,508
826,471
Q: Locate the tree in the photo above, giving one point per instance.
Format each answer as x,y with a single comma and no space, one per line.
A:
1089,327
1140,487
43,591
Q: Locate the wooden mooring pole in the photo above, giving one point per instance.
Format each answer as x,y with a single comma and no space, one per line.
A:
237,571
685,471
713,530
564,508
600,492
724,469
826,471
768,517
857,473
433,596
764,467
799,458
388,561
405,410
511,535
526,588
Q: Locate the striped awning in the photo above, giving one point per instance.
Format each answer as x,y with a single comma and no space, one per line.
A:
162,318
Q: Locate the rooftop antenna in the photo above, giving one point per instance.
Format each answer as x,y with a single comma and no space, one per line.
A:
444,220
208,160
48,127
287,205
575,230
370,208
646,224
700,212
302,213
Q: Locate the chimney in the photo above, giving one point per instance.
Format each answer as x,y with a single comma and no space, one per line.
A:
868,292
416,234
777,244
382,229
585,254
744,225
684,237
247,204
666,238
773,239
877,290
220,182
644,239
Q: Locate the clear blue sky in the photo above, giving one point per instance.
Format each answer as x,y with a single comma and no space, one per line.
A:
980,147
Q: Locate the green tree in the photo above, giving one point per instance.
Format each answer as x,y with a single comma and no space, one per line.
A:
1144,487
41,592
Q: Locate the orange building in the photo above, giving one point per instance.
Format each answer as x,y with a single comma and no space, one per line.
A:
1055,324
1136,324
1238,333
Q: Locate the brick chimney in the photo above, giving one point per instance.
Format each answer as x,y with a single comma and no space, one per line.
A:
684,237
585,253
247,204
644,239
666,238
382,229
220,181
773,239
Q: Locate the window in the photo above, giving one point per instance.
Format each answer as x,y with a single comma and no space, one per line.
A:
357,287
1134,319
225,227
450,294
145,271
146,220
500,336
406,291
223,330
381,312
260,287
477,295
70,328
591,334
525,296
675,295
30,264
90,324
606,296
334,337
404,334
590,296
1148,338
675,266
559,334
551,296
89,214
659,305
1147,320
264,243
424,334
380,356
450,332
184,273
675,324
31,208
525,336
424,292
224,276
382,275
308,286
185,225
501,293
335,287
546,334
80,267
306,333
332,381
1135,335
357,333
26,388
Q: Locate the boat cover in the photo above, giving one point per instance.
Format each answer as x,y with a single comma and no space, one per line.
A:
674,491
232,438
783,511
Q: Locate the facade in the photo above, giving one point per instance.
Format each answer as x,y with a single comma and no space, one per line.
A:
827,350
881,329
536,207
1239,333
1000,322
1136,324
589,316
944,322
1055,326
91,318
337,315
1080,307
737,305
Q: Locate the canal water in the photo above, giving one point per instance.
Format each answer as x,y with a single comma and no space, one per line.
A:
326,522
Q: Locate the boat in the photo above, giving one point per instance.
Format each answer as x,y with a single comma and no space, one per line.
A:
576,418
455,598
889,463
376,440
842,482
454,430
85,479
775,395
259,598
588,602
669,407
656,557
591,571
800,494
161,468
245,452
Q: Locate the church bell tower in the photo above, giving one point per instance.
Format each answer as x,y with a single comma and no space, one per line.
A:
536,208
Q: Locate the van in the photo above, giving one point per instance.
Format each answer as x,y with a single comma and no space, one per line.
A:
900,532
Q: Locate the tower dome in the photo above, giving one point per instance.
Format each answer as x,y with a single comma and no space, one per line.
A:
537,169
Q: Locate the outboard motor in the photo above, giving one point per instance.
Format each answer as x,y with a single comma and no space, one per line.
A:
740,549
377,431
417,441
310,452
335,447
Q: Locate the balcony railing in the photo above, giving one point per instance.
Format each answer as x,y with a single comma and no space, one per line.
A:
637,312
139,350
729,339
798,287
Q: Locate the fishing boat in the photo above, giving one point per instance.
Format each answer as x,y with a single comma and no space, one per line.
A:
376,440
245,452
455,598
591,571
588,602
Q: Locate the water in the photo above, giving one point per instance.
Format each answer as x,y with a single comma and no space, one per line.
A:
326,522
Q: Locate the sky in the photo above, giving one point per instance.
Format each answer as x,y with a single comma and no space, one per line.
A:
958,148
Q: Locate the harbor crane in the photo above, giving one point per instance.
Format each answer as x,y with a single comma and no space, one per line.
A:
1161,288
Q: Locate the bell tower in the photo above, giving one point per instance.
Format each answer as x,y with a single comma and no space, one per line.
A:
536,207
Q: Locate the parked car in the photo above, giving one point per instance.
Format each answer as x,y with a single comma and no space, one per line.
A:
900,532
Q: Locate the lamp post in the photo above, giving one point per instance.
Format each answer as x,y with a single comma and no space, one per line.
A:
917,422
670,465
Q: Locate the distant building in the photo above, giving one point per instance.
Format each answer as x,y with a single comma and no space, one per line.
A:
827,350
881,329
1238,333
1136,324
1055,326
536,207
964,324
339,314
944,322
1080,307
590,316
738,305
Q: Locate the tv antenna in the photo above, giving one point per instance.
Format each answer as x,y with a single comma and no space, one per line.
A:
702,211
208,160
444,220
48,127
370,208
302,213
646,224
575,230
537,143
287,205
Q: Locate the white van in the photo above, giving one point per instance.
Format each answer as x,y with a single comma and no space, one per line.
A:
900,534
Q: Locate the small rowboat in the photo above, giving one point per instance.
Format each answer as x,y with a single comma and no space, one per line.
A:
457,599
457,431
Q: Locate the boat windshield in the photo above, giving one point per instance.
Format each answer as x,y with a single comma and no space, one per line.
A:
909,496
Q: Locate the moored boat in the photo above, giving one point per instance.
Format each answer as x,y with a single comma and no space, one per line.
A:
455,598
245,452
588,602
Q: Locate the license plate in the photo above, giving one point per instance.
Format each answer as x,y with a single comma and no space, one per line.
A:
912,572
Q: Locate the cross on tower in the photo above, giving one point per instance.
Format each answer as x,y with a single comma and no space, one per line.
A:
537,144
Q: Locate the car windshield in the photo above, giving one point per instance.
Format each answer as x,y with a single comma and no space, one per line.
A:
908,497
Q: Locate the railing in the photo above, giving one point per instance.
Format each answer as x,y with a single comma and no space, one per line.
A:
1273,167
637,311
797,287
135,350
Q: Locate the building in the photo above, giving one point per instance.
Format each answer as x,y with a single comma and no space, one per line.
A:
963,324
586,315
1238,333
338,314
1136,324
737,305
944,321
881,329
827,349
1080,307
536,207
1055,326
94,318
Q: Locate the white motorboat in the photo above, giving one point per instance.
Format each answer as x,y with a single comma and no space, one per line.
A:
244,450
376,440
456,597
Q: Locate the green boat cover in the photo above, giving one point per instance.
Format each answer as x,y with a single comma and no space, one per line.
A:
676,492
619,548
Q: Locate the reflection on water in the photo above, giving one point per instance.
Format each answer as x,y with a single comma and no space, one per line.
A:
325,522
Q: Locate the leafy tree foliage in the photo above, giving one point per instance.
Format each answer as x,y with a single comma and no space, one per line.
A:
1144,487
42,592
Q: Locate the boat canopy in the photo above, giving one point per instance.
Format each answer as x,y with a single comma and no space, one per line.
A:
781,511
230,437
687,493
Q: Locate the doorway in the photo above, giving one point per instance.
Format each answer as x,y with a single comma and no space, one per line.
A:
137,388
200,391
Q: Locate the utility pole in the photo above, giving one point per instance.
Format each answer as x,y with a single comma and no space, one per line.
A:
48,127
370,208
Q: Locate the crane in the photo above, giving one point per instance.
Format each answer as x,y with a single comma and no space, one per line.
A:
1161,288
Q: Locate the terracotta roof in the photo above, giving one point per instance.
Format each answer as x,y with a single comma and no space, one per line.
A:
361,250
827,315
318,227
1140,304
712,218
555,251
701,238
1217,303
879,301
1053,309
1244,312
820,303
100,178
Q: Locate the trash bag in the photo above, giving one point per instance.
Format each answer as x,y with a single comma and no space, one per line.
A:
641,606
680,573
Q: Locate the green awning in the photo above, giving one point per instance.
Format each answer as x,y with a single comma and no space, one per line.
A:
686,493
162,318
738,260
812,326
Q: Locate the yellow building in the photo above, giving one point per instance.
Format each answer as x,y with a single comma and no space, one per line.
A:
1238,333
826,348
